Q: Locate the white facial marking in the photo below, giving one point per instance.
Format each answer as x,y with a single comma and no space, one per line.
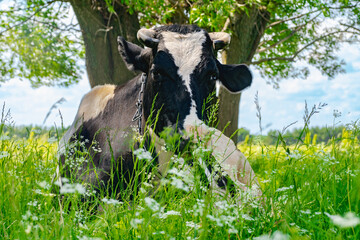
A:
186,51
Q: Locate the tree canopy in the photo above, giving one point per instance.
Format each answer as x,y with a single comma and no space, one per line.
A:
40,40
37,43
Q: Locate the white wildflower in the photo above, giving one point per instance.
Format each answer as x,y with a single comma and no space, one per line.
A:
277,235
142,190
188,238
200,151
135,222
88,238
227,219
152,204
266,181
199,207
349,220
306,212
179,184
284,188
28,229
232,230
177,172
148,185
178,160
223,205
72,188
3,154
64,180
193,225
38,191
33,203
111,201
170,213
26,216
247,217
294,155
216,220
44,185
4,137
142,154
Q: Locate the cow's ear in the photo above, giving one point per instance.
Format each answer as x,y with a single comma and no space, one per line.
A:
235,77
135,57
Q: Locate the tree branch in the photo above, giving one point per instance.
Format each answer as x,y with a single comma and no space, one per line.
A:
304,14
289,19
179,9
287,37
289,59
226,25
292,58
30,7
70,27
351,26
28,18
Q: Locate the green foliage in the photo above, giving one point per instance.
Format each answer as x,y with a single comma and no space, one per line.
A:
40,43
212,14
25,131
310,191
318,134
311,182
296,32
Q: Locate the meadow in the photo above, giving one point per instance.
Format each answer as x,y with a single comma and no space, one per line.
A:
310,191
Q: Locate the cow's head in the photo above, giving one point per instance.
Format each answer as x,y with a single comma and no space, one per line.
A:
182,71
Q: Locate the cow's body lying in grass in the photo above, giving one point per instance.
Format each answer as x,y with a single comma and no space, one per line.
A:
181,71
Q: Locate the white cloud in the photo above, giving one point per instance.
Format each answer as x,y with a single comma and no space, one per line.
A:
356,65
30,106
349,52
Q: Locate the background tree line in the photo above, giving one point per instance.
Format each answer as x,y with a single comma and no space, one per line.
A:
45,41
313,135
320,134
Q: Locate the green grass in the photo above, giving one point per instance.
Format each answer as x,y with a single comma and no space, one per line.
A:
304,185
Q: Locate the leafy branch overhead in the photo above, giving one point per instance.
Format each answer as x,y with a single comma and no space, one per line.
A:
42,41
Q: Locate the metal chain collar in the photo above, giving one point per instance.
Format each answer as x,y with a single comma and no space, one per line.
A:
138,114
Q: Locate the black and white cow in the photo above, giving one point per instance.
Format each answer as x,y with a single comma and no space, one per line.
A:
181,71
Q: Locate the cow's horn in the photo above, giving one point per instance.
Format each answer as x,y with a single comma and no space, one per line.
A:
220,39
146,36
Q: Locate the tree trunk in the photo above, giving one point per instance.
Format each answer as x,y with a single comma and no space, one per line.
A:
247,31
100,30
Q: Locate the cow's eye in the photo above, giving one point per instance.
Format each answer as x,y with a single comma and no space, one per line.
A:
214,77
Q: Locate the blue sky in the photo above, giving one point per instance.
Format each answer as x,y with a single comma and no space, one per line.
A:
279,107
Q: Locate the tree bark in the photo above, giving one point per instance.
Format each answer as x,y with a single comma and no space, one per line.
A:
247,31
100,30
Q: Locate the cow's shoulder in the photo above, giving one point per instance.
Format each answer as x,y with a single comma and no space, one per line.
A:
91,105
95,101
